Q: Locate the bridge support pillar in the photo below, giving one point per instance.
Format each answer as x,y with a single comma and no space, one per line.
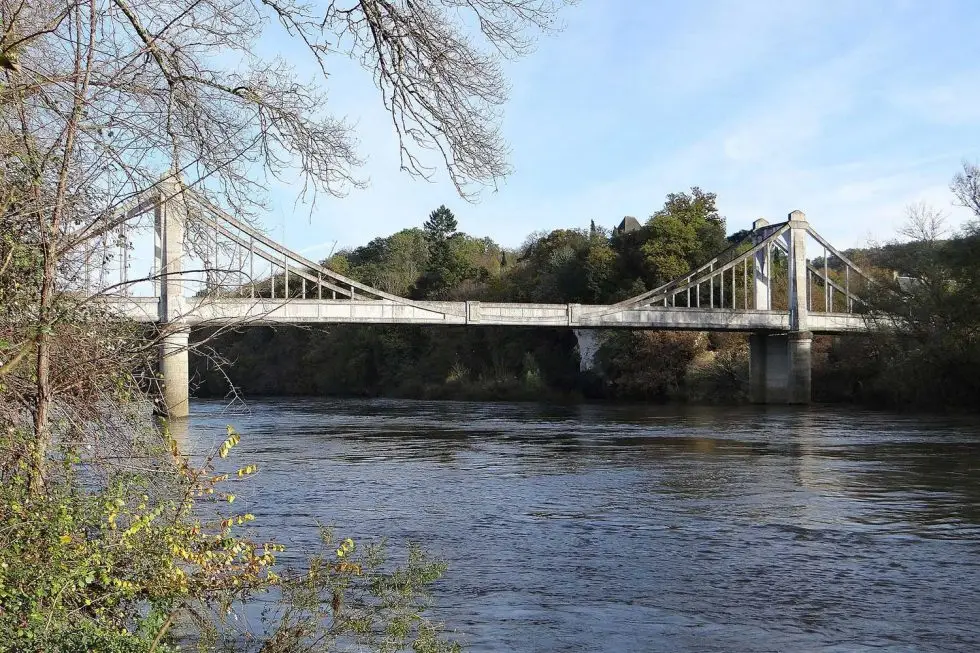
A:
170,222
758,366
174,370
779,368
799,354
779,364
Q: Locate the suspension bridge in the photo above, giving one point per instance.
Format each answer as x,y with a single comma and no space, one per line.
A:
765,285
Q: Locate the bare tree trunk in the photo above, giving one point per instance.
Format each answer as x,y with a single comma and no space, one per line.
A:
42,406
84,53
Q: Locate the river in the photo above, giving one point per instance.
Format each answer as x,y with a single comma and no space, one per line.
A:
640,528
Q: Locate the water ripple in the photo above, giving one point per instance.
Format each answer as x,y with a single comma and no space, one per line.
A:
625,528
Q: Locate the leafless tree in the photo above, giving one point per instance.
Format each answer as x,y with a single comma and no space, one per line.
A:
966,188
924,223
100,99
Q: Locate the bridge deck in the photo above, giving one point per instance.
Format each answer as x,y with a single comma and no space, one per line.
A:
314,311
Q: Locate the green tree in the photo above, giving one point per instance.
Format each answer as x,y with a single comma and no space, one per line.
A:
685,232
481,254
648,364
553,266
600,268
393,263
445,267
440,226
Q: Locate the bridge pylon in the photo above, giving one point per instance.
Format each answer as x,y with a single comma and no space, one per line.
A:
780,363
170,221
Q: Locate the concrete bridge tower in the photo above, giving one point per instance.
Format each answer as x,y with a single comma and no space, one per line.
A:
170,216
780,363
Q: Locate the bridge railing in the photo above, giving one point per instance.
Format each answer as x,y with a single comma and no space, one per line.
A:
756,274
840,281
98,256
768,270
285,274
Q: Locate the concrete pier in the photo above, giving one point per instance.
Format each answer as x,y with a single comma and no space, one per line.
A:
174,370
799,357
779,368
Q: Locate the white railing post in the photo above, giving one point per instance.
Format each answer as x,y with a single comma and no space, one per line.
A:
796,246
762,272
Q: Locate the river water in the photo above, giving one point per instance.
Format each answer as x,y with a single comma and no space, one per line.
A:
612,528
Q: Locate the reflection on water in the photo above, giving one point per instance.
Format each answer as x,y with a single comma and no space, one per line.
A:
598,528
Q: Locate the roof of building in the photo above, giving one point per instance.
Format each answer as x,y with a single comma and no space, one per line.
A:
628,224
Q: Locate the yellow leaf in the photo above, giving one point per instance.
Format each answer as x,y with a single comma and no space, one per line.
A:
65,539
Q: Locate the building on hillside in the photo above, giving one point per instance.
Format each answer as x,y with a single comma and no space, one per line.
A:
629,224
906,284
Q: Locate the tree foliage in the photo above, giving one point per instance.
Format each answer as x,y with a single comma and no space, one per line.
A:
627,361
966,189
440,227
118,569
926,357
446,267
685,232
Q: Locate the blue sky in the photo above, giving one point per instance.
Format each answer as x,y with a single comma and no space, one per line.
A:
846,110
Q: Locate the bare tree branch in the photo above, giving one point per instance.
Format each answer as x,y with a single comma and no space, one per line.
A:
966,188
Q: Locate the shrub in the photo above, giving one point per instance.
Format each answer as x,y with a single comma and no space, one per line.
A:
114,568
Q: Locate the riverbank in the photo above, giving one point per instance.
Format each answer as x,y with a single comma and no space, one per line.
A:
489,365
